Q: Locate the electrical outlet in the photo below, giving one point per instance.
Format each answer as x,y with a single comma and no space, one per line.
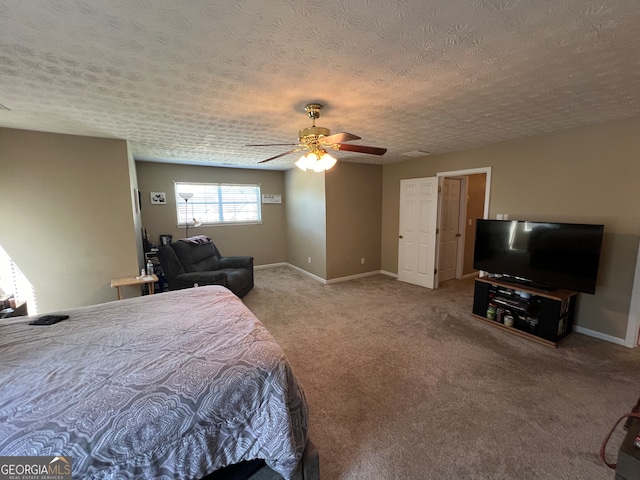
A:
309,259
362,261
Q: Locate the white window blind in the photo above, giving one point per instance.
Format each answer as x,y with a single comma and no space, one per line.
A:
218,203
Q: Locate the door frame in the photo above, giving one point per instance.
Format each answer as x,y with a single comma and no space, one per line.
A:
632,338
463,207
462,212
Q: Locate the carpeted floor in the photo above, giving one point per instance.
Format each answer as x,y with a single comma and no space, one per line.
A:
403,383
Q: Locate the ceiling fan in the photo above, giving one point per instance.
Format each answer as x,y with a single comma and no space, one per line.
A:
317,140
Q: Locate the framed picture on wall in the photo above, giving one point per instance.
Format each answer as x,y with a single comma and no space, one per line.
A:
271,198
158,198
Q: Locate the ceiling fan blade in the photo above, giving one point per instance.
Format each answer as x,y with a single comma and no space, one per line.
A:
281,155
269,144
361,149
340,138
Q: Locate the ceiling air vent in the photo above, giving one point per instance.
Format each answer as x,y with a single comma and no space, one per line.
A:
416,153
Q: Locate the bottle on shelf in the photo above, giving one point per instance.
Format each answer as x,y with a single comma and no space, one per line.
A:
149,267
491,311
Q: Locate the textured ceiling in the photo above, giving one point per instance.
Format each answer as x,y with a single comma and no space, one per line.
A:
194,81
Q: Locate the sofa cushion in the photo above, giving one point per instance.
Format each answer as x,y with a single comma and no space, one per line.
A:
197,258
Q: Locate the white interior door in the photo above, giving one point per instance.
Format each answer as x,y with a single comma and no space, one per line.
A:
449,229
417,246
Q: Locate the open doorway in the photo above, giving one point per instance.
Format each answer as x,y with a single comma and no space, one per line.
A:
465,197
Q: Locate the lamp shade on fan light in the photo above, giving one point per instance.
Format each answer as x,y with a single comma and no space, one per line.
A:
318,162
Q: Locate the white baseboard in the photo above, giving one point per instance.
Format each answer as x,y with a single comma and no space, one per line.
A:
270,265
320,279
285,264
395,275
352,277
601,336
308,274
470,275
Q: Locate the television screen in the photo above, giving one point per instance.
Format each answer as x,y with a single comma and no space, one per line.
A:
560,255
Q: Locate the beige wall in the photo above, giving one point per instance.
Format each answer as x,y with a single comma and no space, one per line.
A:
266,242
354,218
66,207
306,221
587,174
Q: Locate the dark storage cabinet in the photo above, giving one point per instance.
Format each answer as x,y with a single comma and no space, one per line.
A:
546,317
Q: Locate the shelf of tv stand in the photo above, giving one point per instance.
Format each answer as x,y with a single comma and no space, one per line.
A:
556,306
521,333
557,294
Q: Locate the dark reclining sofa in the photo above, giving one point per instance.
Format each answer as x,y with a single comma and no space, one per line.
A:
186,263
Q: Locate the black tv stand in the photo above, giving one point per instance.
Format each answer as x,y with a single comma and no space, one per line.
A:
543,316
523,282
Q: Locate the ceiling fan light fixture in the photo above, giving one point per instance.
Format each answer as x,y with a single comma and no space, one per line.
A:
307,161
326,162
316,161
317,140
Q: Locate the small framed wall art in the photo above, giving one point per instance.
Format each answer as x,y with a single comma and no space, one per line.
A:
271,198
158,198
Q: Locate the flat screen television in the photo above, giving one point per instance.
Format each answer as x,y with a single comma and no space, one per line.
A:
542,255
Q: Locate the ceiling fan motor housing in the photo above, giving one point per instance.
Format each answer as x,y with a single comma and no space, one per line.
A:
313,133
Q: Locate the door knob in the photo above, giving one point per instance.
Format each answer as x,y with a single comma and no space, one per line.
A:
400,236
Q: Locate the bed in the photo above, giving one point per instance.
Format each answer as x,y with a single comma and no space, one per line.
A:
172,385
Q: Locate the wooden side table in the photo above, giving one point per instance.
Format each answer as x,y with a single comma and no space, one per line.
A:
128,281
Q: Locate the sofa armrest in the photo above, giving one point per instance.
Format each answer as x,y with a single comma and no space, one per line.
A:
170,263
236,262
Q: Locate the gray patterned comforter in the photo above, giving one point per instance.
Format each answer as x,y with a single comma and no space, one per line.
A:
173,385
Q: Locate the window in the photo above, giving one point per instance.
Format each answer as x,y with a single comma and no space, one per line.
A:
13,281
218,203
